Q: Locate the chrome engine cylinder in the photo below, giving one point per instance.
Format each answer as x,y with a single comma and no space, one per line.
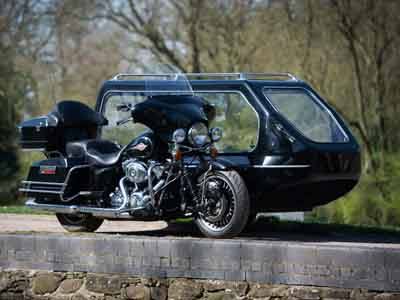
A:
135,170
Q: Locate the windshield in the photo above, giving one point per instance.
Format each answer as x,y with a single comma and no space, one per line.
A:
166,80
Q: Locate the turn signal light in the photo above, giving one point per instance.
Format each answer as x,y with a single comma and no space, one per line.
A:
178,155
213,152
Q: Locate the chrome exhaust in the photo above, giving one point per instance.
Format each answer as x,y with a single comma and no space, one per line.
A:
74,209
122,212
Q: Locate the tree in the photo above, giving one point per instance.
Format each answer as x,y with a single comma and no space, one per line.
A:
21,35
371,31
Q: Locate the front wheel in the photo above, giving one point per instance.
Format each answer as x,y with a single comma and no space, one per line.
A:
227,205
79,223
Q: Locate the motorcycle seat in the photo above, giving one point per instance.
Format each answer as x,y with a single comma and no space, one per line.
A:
101,153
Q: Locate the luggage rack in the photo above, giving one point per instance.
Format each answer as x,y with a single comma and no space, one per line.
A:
210,76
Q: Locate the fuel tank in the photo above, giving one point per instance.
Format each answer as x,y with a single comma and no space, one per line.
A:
163,114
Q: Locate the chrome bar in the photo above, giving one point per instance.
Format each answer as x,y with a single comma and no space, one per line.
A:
281,166
75,209
24,190
230,76
266,75
42,183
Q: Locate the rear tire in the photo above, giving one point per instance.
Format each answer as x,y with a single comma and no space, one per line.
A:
79,223
236,207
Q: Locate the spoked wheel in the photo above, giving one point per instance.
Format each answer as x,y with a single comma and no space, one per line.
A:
79,223
227,205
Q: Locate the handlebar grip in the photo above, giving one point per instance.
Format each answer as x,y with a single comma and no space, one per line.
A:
120,122
121,107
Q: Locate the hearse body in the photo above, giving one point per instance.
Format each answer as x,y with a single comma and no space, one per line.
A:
300,153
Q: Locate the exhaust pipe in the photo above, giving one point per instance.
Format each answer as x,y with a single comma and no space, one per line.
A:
74,209
122,212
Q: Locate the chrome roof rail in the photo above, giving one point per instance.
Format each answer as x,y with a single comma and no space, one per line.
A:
265,76
205,76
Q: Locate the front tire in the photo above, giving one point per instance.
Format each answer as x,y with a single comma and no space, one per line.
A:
232,206
79,223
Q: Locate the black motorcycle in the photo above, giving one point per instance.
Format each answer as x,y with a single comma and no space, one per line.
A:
167,172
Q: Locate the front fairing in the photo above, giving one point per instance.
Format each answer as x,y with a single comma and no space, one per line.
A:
164,114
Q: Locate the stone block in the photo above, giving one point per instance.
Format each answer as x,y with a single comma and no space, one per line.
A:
45,283
138,292
181,248
181,289
181,263
136,247
260,291
105,284
305,292
225,295
159,292
239,288
301,254
69,286
204,274
151,261
235,275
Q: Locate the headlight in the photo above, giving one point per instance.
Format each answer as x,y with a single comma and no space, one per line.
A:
198,134
216,134
179,135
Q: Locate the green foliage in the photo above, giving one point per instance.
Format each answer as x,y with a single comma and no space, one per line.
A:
19,209
12,90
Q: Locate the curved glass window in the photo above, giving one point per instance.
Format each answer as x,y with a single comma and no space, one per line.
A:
236,117
307,114
125,133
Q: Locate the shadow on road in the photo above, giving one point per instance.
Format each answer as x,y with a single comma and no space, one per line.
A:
266,229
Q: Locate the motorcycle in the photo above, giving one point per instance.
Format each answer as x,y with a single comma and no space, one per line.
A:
170,171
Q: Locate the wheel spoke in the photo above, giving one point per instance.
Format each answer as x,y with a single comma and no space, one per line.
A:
226,202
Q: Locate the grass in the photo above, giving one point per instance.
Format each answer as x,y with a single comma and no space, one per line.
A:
21,209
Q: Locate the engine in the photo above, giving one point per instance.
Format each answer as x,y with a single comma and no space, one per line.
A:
135,184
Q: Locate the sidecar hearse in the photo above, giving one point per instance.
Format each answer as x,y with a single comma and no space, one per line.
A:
219,147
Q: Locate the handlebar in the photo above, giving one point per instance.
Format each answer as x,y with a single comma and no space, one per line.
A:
123,121
124,107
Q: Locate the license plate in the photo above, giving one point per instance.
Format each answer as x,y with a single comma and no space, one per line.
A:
48,170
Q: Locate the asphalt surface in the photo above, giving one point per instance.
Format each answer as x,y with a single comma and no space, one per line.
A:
260,231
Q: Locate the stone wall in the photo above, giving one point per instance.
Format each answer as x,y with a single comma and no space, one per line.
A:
80,286
351,266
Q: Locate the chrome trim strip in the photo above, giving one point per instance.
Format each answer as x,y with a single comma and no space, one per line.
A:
120,213
33,149
281,166
39,182
235,76
26,190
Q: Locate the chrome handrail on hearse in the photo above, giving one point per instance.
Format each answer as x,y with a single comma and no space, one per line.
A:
207,76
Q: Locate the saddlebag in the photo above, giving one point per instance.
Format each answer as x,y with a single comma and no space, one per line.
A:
69,121
38,134
58,179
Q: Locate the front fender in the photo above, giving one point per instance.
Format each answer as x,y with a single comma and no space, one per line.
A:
221,165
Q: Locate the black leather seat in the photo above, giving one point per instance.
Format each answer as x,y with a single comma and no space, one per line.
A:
101,153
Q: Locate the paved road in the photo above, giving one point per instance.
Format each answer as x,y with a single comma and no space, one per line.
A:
260,232
49,223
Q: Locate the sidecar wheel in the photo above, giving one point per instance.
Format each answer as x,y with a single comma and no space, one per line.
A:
232,206
79,223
